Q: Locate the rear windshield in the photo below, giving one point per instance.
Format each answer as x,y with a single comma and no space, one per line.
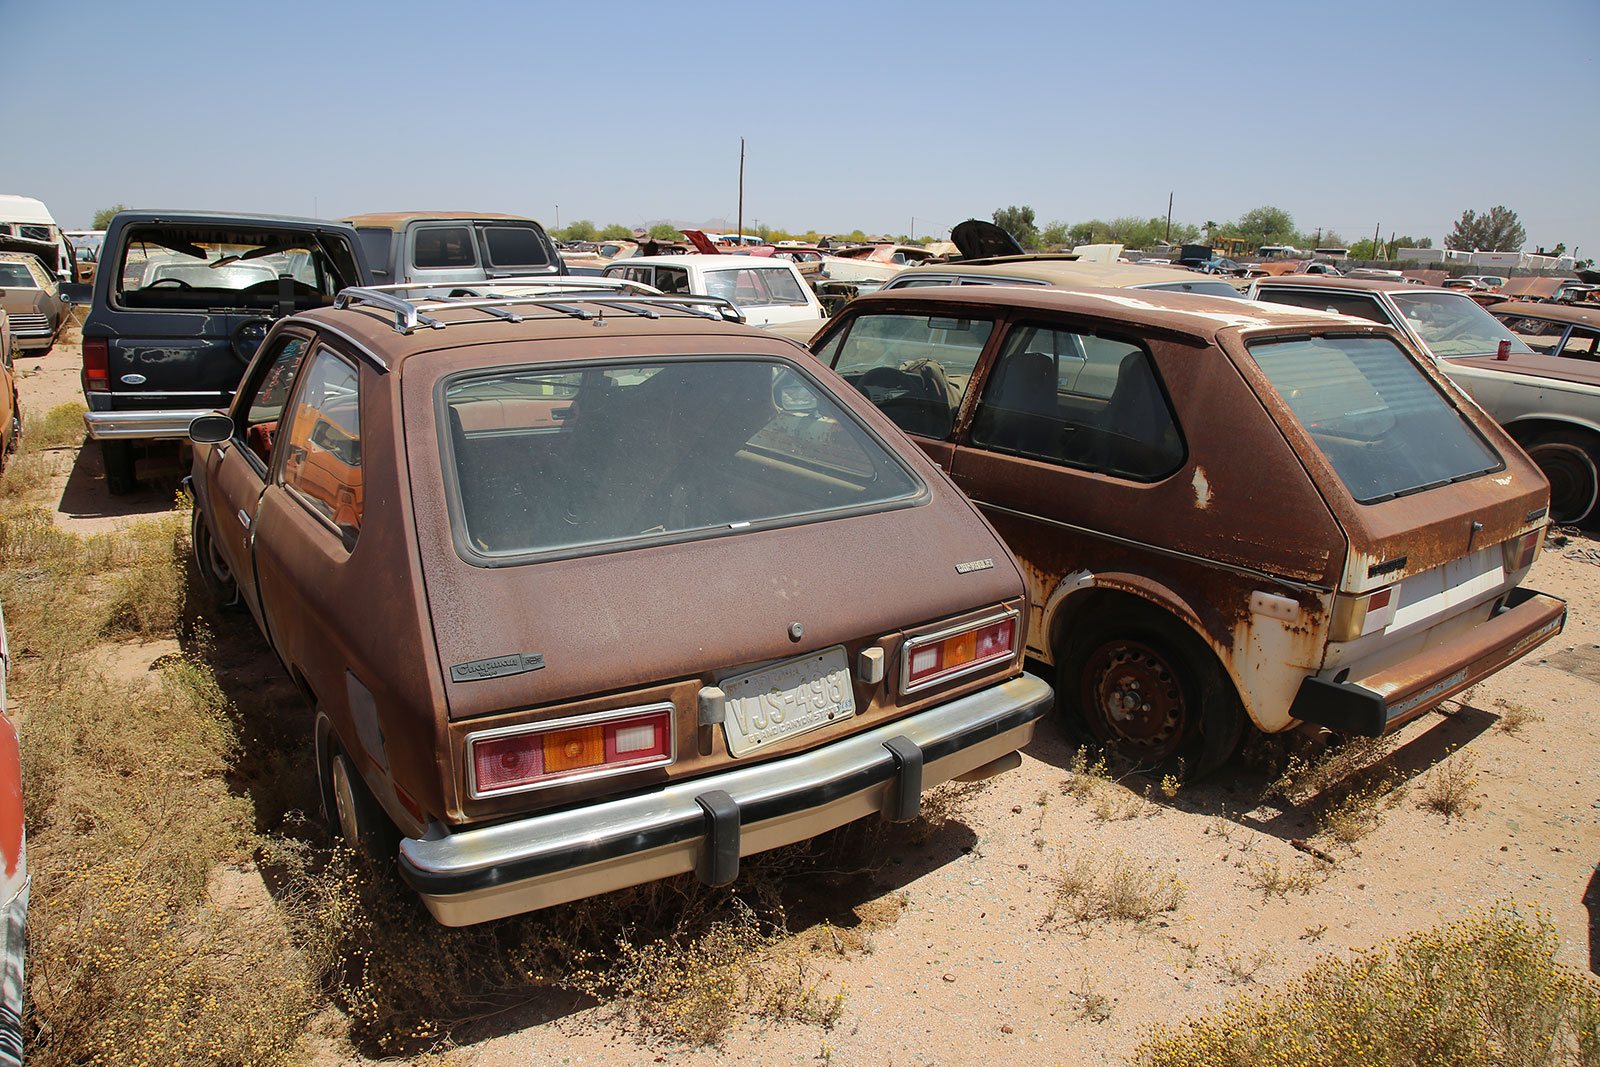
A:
1386,428
200,268
625,453
1454,325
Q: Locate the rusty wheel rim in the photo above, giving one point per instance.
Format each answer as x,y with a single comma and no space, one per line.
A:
1134,699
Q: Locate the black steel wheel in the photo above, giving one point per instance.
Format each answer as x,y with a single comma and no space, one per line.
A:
215,574
1141,684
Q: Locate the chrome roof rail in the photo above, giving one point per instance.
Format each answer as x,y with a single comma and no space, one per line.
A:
411,315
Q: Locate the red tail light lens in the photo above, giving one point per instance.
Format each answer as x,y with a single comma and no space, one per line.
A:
950,653
529,757
1521,551
96,365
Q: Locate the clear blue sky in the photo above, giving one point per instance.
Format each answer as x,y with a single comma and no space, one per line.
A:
1348,115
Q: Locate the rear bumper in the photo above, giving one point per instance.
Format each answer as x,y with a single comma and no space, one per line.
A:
141,424
1387,700
706,824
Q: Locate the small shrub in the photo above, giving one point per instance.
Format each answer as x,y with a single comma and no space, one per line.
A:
1085,774
1352,818
1513,716
60,427
1449,788
1117,888
148,595
1273,880
1482,992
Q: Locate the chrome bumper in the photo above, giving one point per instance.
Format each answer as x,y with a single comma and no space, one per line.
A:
707,823
141,424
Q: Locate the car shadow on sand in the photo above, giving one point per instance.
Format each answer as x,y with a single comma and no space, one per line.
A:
86,498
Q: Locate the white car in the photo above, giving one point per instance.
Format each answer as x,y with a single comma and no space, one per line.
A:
766,290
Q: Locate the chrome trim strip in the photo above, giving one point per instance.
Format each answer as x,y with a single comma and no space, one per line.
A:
141,424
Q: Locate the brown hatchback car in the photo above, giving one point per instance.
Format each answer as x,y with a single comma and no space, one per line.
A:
589,589
1223,508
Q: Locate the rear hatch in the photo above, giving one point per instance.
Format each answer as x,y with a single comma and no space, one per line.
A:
182,301
1441,510
626,534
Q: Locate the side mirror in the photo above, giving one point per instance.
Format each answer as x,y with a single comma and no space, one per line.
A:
211,429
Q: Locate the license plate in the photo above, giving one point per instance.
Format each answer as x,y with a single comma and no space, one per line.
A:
786,700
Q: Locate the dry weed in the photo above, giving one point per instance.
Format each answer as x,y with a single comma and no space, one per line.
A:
1115,888
1514,716
1306,774
60,427
1352,818
1482,992
1449,789
1273,880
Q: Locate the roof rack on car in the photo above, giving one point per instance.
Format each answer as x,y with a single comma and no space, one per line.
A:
490,298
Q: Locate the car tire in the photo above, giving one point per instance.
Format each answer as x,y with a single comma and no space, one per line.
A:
1571,460
215,574
355,816
16,425
117,457
1141,684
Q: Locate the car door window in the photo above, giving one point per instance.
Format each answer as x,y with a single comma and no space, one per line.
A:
1581,343
322,452
915,368
1080,400
262,399
1541,335
670,279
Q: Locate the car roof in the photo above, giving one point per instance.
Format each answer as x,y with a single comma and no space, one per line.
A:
1059,271
1328,281
710,262
1554,312
224,218
1190,313
373,328
398,220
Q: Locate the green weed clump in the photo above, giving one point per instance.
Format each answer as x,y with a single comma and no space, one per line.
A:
1481,992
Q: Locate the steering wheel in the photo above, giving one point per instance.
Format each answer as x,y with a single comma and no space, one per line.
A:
247,337
178,282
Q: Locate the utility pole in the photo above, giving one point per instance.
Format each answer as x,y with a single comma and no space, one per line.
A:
558,216
1375,230
1168,238
741,190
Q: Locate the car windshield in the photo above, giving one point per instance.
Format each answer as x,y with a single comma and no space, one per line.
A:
1385,427
547,462
755,286
1454,325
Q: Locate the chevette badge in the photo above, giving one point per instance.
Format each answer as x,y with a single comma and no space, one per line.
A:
974,565
479,670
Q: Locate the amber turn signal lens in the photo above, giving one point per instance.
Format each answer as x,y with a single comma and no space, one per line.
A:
569,750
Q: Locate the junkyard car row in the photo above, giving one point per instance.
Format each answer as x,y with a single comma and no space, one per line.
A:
591,582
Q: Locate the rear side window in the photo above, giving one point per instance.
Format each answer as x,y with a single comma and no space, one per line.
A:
515,246
1078,400
755,287
16,276
619,454
1358,305
378,243
322,462
444,246
915,368
1386,428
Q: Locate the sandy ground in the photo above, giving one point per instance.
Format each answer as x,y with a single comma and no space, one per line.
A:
975,971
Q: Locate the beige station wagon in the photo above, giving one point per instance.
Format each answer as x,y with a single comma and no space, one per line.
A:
1225,510
592,588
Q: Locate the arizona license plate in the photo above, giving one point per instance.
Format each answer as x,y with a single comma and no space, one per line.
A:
786,700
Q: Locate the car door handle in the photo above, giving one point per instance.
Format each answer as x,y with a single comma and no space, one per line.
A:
244,520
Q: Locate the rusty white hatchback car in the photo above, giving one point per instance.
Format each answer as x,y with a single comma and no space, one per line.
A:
1227,511
589,589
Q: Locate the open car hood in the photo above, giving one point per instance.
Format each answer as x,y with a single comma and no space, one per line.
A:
976,239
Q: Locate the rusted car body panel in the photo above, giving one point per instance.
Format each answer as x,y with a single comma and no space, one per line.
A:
415,643
1252,541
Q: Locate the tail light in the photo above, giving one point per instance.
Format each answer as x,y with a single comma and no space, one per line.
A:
1522,550
96,365
948,654
1357,616
537,755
